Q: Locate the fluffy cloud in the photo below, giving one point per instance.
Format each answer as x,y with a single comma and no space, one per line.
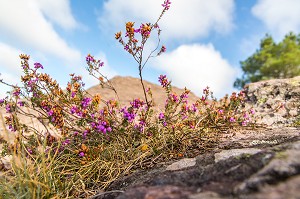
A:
9,58
187,19
59,12
280,16
23,23
197,66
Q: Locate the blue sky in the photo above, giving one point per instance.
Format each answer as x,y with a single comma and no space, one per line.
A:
205,40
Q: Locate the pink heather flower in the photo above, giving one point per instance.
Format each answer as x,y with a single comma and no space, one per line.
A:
21,103
163,81
173,97
66,142
161,116
17,92
89,58
231,119
1,101
81,154
29,151
50,113
252,111
246,116
8,108
163,49
194,107
166,4
220,111
38,65
137,103
85,102
244,123
101,64
126,47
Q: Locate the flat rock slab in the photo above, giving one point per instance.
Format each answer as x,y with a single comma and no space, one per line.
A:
181,164
225,154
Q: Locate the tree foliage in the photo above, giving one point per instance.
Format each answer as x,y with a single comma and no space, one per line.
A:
272,61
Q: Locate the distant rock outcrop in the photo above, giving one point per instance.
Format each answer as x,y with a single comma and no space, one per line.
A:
275,101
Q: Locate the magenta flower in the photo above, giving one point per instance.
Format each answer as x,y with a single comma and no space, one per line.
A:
173,97
163,81
85,102
127,115
166,4
17,92
81,154
137,103
50,112
161,116
8,108
66,142
231,119
89,58
21,103
38,65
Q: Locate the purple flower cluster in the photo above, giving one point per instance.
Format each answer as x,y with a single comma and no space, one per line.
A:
85,102
66,142
17,92
161,116
166,4
127,114
163,81
140,126
246,119
137,103
102,127
8,108
38,65
21,103
81,154
232,119
173,97
89,58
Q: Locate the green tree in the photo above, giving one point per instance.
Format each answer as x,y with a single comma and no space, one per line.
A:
272,61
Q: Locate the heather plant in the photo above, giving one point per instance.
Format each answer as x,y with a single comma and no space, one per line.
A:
85,142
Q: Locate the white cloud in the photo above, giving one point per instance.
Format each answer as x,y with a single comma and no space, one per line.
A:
59,12
197,66
187,19
9,58
24,23
280,16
